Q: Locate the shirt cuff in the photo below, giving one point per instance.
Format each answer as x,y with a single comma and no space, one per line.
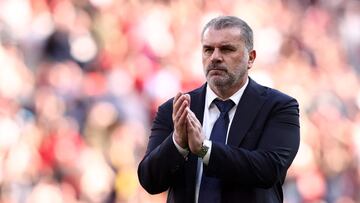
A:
206,158
182,151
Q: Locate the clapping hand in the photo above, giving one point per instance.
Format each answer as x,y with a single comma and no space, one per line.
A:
180,104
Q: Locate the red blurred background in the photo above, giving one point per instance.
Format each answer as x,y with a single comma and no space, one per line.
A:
80,81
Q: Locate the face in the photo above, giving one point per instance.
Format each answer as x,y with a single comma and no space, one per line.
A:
225,59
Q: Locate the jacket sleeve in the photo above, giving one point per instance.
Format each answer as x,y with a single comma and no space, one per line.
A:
162,161
267,164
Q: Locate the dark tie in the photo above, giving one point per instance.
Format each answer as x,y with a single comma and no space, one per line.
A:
210,188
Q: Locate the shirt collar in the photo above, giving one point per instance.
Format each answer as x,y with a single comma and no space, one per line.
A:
210,95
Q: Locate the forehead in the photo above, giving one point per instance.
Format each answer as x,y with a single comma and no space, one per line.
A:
221,36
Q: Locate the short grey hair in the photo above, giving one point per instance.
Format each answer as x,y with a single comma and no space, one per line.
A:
223,22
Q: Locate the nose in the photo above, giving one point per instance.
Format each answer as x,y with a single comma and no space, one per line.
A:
216,56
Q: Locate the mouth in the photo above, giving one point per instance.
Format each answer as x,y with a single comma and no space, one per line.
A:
216,71
216,67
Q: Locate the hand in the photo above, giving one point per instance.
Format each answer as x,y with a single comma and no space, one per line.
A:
194,132
180,104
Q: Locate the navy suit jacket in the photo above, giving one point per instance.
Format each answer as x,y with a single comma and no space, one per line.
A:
262,143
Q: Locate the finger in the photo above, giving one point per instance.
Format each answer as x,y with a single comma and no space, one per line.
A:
196,120
192,128
177,102
174,101
189,126
177,96
190,117
182,113
182,119
181,110
188,98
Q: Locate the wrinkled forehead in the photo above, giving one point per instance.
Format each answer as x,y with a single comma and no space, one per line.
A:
221,36
219,29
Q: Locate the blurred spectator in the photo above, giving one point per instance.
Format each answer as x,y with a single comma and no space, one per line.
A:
80,82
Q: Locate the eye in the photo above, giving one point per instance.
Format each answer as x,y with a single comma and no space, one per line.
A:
227,49
208,50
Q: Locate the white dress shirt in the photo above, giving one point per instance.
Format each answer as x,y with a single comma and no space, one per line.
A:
211,113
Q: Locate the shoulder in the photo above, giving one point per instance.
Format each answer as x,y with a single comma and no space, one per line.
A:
273,98
268,92
277,95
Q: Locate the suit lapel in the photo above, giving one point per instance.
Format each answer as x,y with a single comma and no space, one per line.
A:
197,102
247,109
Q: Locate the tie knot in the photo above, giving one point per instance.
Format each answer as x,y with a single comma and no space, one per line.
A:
224,106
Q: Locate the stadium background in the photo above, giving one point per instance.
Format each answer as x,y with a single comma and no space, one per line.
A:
80,81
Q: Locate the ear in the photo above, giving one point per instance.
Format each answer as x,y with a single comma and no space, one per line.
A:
252,56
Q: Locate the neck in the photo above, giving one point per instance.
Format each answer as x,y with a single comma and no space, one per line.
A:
225,92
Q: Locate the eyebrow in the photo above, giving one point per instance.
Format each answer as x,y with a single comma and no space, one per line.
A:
228,46
221,46
207,46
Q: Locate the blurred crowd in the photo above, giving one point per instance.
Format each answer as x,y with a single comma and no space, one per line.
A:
80,82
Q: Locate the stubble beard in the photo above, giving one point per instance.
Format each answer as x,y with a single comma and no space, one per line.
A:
226,81
221,82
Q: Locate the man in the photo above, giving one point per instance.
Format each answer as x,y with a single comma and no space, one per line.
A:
231,140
